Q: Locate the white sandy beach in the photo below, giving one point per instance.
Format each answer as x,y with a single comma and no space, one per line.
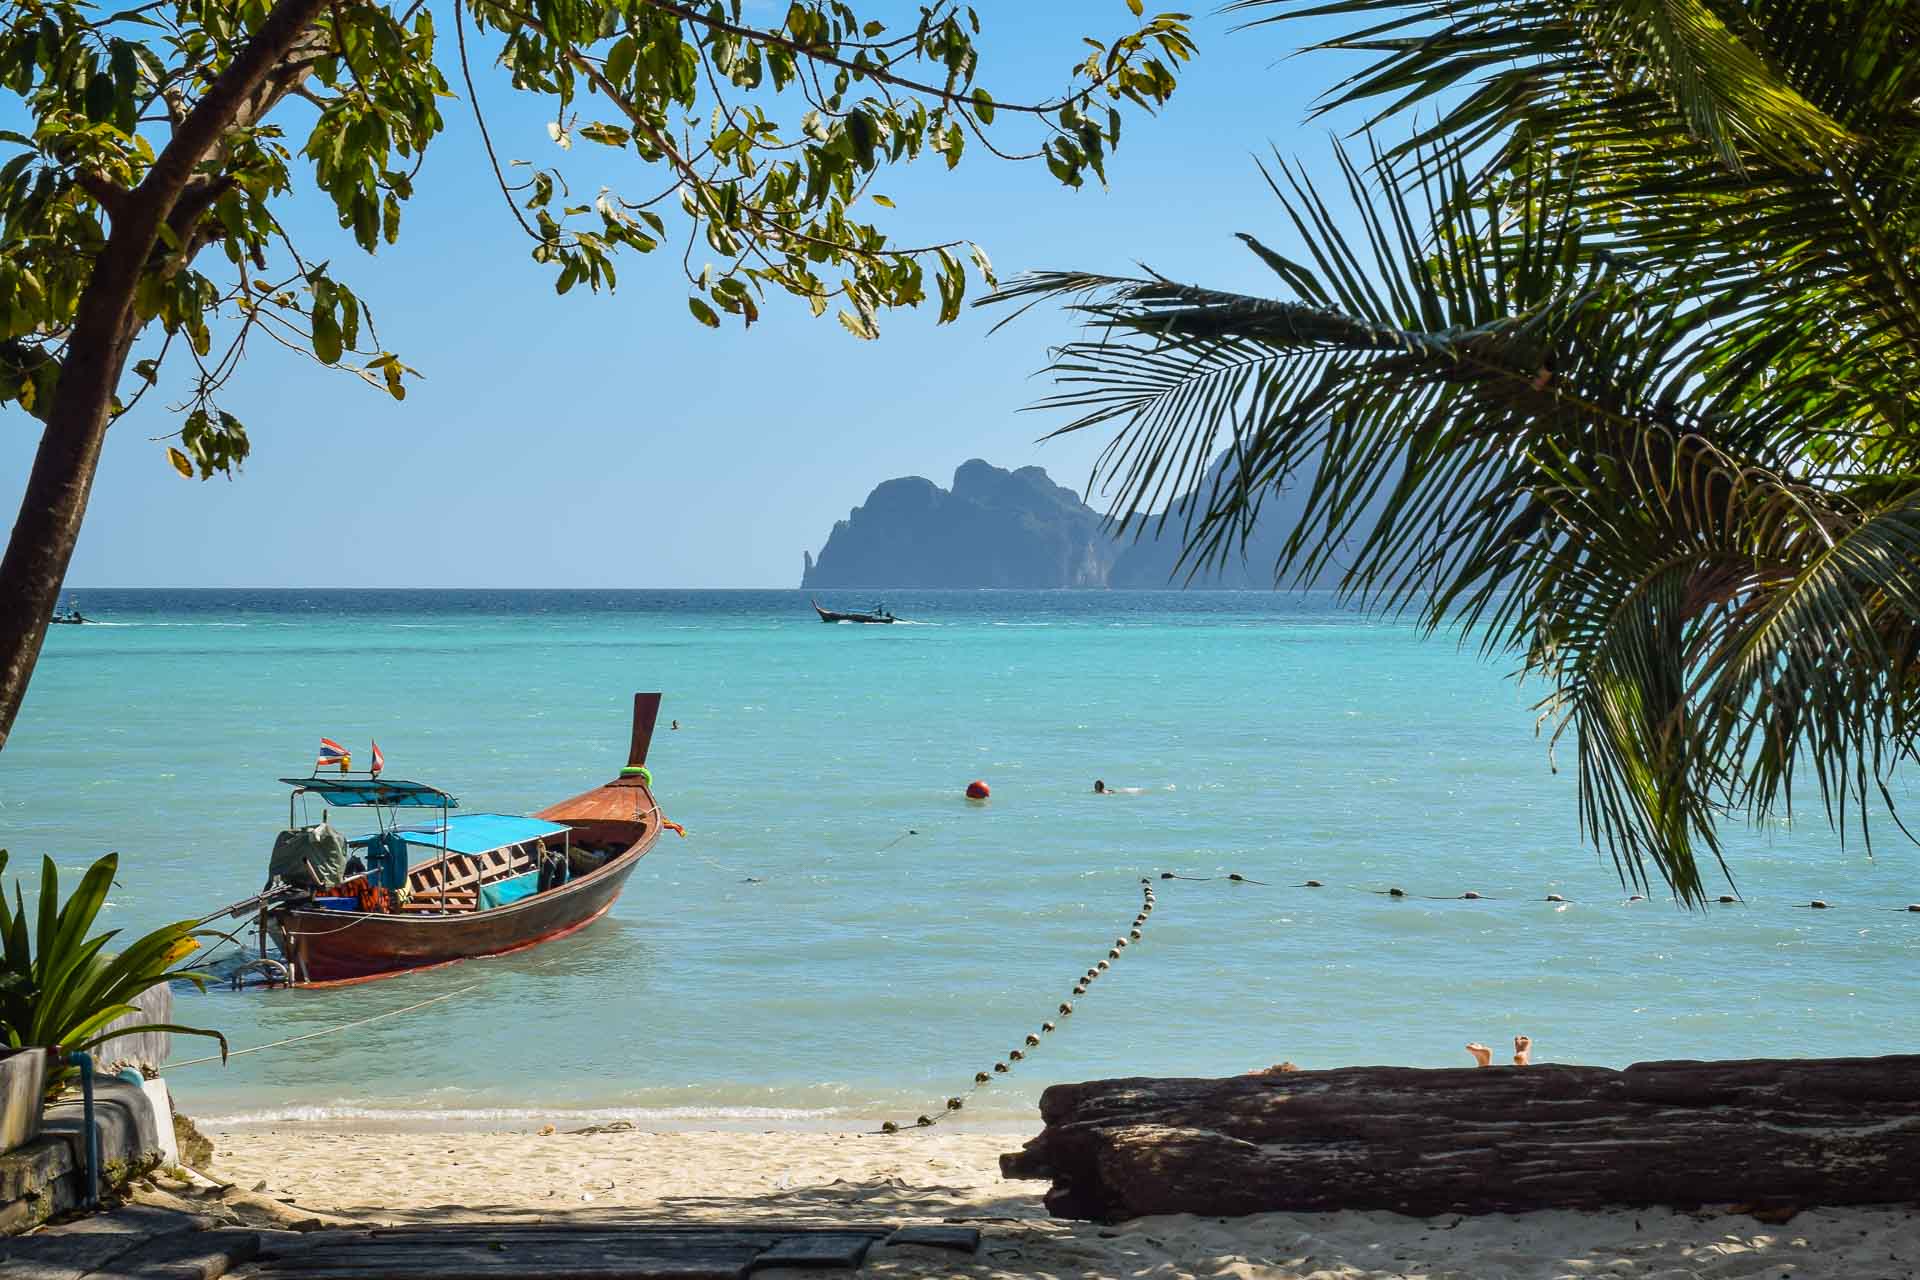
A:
948,1176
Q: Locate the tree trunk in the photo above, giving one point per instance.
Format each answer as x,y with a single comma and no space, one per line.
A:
1769,1132
55,502
43,538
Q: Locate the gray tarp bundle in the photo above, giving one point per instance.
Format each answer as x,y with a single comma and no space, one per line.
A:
321,847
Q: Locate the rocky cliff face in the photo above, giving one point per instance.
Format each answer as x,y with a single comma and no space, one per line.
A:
1151,561
994,528
1014,529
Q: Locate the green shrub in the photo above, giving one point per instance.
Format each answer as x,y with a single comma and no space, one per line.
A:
60,989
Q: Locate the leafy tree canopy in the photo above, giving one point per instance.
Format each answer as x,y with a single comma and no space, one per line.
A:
754,146
1613,357
138,137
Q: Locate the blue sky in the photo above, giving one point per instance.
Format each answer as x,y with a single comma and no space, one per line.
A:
609,441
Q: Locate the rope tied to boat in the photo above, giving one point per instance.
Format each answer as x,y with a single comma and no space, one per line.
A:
359,918
312,1035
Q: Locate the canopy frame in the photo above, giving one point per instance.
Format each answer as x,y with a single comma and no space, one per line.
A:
369,792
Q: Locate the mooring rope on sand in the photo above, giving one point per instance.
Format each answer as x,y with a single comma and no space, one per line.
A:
312,1035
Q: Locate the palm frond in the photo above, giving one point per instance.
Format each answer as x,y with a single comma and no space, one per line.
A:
1551,402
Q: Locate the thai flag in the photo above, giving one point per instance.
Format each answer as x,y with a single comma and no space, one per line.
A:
332,752
379,761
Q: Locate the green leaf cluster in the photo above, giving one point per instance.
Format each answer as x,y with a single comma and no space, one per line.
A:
753,140
1612,360
106,92
59,988
766,139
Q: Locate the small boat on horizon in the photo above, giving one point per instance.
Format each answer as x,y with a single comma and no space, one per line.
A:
877,614
416,895
71,618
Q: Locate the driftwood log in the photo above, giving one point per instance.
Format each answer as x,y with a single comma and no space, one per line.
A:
1765,1133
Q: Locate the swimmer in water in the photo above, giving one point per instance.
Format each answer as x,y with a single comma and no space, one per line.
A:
1100,788
674,725
1522,1053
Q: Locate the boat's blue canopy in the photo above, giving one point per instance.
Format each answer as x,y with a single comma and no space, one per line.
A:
345,792
476,832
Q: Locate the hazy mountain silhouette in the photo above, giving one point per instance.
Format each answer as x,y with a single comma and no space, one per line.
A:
1018,529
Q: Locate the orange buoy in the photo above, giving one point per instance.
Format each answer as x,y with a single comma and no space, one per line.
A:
978,790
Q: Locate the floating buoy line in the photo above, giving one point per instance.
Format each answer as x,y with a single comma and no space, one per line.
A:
1083,984
1033,1040
1474,895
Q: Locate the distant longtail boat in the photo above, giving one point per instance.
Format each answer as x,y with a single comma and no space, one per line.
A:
352,910
878,614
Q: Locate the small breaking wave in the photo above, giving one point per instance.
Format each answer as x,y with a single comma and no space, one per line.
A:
103,622
351,1115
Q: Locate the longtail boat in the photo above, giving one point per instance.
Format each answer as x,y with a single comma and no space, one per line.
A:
877,614
419,894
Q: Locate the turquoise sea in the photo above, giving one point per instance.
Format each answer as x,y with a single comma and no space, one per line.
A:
802,959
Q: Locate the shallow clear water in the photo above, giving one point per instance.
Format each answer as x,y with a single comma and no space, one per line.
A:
799,958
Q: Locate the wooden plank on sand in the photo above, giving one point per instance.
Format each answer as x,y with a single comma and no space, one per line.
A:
193,1255
573,1256
543,1268
844,1249
562,1251
639,1225
958,1239
75,1249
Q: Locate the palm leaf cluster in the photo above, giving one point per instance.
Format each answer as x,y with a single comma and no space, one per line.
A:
1612,358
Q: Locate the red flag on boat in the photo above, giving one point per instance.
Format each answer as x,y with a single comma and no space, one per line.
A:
379,761
332,752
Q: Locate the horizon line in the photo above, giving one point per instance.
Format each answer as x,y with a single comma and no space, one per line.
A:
1275,590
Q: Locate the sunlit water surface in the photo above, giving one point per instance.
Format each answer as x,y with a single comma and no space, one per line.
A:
800,959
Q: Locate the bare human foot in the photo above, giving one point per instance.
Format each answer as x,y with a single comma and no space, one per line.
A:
1522,1051
1481,1054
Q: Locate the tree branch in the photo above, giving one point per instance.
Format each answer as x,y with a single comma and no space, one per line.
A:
238,98
60,481
107,194
815,54
196,200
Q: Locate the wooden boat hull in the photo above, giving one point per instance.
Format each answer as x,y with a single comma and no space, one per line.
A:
828,615
355,946
621,819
